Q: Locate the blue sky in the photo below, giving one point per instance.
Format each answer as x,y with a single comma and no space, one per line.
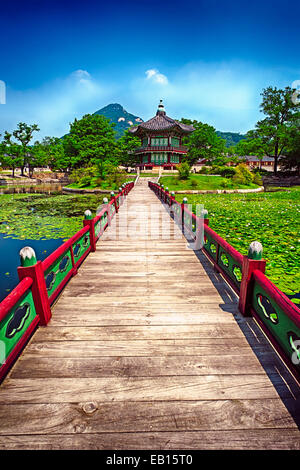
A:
208,60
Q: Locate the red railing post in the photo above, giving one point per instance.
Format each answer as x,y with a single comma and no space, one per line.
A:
88,220
250,263
184,201
113,198
172,198
166,194
32,268
105,201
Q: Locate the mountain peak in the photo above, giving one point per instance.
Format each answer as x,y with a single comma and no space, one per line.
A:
120,117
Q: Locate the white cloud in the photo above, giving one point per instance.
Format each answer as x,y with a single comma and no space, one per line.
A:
224,94
54,105
156,77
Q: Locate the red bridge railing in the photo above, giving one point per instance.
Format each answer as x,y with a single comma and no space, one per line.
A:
29,303
276,314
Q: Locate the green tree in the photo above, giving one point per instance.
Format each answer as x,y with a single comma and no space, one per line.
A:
10,153
204,143
251,145
281,121
24,134
126,146
91,141
54,153
291,159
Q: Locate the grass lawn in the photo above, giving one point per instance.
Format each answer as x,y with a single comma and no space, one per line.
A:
272,218
197,182
104,185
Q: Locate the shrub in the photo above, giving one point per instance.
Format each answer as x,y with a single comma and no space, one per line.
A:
226,183
227,171
84,181
194,183
183,171
257,179
243,175
76,175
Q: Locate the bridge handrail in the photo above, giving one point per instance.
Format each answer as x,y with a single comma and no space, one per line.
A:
42,281
258,296
18,320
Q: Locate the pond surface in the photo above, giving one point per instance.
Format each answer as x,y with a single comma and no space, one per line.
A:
10,259
38,216
35,188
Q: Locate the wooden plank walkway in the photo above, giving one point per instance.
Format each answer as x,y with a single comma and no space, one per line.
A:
147,350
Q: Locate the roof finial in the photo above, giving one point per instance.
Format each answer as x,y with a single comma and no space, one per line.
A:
161,108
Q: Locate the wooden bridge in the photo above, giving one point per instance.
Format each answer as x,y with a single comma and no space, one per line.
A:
146,349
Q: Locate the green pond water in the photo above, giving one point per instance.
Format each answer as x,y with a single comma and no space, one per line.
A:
37,216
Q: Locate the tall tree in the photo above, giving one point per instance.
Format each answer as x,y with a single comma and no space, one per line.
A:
91,141
282,119
24,134
10,153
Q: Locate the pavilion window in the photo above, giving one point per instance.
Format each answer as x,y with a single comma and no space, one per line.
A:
175,141
174,159
145,158
159,158
145,142
159,142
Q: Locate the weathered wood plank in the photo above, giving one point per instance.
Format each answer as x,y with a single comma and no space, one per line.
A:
117,315
93,417
125,333
37,366
173,347
273,439
213,387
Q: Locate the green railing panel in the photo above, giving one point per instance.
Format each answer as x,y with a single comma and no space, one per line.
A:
281,326
97,228
56,273
188,220
16,322
210,245
230,266
104,220
81,246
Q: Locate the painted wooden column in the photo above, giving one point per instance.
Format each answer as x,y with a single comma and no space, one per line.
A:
251,262
32,268
166,194
88,220
105,202
184,202
113,198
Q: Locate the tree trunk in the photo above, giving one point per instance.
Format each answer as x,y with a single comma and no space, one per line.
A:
276,158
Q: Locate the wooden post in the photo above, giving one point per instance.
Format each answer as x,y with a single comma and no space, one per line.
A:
204,216
113,198
32,268
105,201
88,220
250,263
166,193
184,201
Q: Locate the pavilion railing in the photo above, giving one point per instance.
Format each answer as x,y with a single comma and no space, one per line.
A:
276,314
29,303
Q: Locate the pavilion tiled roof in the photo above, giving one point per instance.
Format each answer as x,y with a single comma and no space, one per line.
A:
161,122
